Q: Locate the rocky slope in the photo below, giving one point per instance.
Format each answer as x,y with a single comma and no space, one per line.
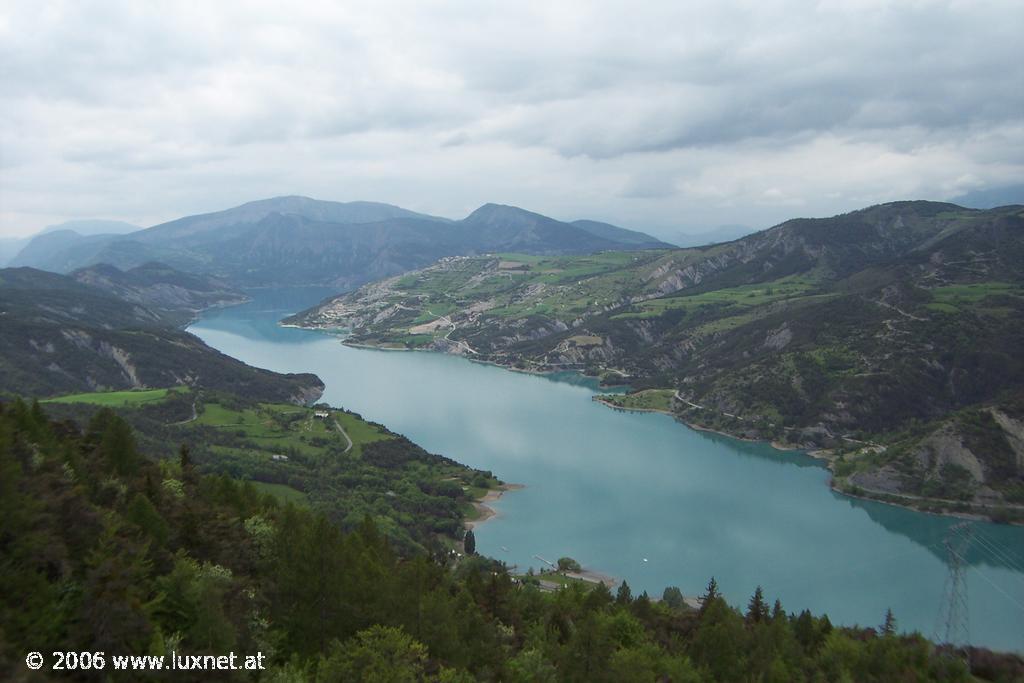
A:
58,335
161,288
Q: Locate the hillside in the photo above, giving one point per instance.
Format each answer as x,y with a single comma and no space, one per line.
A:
823,333
297,240
107,551
59,336
169,292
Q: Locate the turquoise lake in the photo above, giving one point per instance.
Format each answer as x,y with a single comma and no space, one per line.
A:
640,496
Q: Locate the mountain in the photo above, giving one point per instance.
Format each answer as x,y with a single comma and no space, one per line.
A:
639,240
297,240
992,198
58,250
46,249
161,288
724,233
10,247
87,227
881,325
60,336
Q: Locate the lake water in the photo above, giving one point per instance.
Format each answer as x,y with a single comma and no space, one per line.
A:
640,496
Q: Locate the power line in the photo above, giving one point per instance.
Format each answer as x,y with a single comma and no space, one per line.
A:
1001,554
996,586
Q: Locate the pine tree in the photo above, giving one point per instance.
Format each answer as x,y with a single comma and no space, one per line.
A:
624,596
888,627
710,595
757,610
469,542
118,446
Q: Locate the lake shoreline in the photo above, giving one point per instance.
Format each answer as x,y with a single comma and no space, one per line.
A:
485,511
827,456
824,455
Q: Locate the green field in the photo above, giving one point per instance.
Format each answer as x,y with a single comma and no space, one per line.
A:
359,431
740,298
282,492
118,399
647,399
955,298
277,428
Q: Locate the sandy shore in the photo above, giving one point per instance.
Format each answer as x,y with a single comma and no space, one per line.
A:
593,577
485,511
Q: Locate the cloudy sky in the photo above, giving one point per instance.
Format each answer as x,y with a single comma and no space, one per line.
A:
662,116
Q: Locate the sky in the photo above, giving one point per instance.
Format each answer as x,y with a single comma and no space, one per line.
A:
661,116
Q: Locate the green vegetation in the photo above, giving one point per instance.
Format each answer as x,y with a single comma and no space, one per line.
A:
743,297
953,299
418,500
156,556
645,399
567,564
286,494
132,398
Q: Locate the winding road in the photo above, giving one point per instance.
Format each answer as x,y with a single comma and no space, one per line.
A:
344,434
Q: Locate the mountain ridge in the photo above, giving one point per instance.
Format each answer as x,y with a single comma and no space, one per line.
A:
329,242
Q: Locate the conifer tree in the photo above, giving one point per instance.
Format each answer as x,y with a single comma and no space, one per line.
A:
470,543
710,595
888,627
624,596
757,610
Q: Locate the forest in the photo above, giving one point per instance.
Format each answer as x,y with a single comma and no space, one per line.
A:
104,549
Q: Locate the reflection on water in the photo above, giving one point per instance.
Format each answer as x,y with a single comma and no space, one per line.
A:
640,496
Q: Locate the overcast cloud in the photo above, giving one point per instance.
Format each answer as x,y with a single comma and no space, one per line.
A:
662,116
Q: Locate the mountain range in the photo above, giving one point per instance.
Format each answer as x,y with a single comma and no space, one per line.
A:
297,240
900,326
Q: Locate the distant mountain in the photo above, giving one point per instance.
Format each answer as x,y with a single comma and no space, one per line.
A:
992,198
10,247
59,251
172,293
723,233
640,240
58,335
45,249
297,240
86,227
901,324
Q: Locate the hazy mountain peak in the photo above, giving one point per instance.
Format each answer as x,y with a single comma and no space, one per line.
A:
86,227
491,213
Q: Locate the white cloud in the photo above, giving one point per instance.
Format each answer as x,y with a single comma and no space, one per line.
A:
656,115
